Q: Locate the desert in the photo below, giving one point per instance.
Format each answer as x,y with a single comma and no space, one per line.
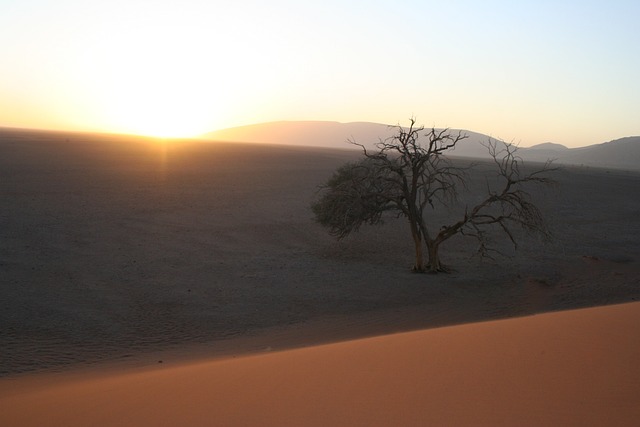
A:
186,282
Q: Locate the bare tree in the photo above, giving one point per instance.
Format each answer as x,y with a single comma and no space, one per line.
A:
412,179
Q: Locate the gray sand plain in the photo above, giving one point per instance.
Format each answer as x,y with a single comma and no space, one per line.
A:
130,250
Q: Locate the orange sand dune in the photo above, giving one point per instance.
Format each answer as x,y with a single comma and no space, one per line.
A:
566,368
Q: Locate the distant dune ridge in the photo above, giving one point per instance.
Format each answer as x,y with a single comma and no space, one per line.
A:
623,153
309,133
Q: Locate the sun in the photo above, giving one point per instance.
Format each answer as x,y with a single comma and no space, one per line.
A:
159,107
175,78
170,119
157,86
162,113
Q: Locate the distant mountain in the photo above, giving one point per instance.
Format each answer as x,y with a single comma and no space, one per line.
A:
548,146
544,152
622,153
331,134
309,133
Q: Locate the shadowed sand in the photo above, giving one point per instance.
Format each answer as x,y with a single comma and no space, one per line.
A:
115,248
118,252
568,368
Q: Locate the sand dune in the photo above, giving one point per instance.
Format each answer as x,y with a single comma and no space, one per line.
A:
567,368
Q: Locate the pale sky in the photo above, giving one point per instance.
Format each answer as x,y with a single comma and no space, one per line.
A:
524,71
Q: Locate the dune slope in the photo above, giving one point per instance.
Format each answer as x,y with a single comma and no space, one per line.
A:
566,368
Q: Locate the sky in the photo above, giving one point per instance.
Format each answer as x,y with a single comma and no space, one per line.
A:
523,71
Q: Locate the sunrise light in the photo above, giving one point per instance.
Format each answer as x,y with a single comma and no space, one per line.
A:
521,71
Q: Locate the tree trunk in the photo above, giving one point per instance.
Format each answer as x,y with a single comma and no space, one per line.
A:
419,265
417,241
434,265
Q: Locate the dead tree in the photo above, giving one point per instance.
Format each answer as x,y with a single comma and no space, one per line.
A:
411,178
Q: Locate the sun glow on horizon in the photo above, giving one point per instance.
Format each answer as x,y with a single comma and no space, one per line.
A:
521,71
171,117
156,82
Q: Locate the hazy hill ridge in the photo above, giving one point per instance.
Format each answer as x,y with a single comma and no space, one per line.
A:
621,153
